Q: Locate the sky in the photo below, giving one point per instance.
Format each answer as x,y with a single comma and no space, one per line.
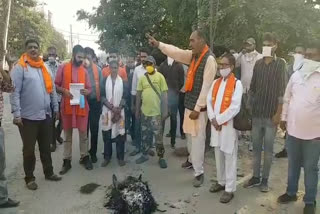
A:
64,15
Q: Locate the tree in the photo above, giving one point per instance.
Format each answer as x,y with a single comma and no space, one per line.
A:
27,23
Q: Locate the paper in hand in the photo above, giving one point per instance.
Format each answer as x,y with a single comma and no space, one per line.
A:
75,91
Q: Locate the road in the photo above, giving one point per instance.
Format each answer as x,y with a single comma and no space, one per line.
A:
171,187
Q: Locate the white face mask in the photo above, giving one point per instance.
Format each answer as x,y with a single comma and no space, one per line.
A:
170,61
298,61
225,72
51,59
267,51
308,68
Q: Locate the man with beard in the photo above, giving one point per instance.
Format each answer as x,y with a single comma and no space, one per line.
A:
94,101
202,71
73,116
53,64
31,107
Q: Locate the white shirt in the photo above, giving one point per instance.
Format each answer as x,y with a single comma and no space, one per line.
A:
227,138
247,62
137,74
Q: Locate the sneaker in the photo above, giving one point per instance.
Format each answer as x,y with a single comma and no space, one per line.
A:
252,182
105,163
216,188
32,185
198,181
163,163
134,153
285,198
282,154
183,136
142,159
264,187
187,165
53,178
65,167
10,203
121,163
226,197
309,209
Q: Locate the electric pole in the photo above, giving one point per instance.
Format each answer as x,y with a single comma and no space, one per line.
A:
5,36
71,37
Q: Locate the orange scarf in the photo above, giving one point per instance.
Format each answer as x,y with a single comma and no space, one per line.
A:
96,80
67,79
25,59
193,68
228,92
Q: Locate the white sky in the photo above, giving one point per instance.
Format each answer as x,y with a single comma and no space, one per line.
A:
64,15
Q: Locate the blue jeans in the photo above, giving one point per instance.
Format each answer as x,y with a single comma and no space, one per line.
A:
263,131
303,153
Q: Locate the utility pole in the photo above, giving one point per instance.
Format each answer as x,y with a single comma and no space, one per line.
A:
71,37
5,36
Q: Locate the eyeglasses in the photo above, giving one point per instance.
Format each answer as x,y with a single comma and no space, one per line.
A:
32,47
224,64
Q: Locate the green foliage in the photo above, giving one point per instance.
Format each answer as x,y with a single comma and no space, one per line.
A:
26,23
123,23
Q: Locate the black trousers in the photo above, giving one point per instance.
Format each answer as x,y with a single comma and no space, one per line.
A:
119,140
93,124
181,111
31,132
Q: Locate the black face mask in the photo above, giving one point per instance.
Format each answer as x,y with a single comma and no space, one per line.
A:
77,63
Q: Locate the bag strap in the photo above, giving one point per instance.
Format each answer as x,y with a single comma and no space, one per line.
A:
152,86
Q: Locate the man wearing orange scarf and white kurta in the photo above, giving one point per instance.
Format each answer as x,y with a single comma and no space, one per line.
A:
74,116
201,73
223,102
31,103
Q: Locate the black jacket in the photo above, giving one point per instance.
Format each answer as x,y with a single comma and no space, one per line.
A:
173,74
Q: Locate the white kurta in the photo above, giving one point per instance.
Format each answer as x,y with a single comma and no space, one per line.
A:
227,138
114,96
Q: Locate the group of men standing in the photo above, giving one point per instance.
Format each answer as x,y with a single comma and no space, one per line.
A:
139,98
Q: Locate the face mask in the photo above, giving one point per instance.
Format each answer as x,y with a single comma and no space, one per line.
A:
225,72
150,69
170,61
51,59
309,67
267,51
298,61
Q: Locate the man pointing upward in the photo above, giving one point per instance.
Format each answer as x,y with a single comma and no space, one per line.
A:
201,73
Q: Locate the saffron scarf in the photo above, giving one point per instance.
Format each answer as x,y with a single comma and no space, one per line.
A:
25,59
228,92
193,68
67,79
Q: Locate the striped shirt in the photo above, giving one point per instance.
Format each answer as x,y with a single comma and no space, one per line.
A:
267,87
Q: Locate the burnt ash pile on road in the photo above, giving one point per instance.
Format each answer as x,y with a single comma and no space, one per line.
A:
131,196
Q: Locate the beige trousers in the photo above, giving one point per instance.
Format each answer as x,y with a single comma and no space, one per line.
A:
83,143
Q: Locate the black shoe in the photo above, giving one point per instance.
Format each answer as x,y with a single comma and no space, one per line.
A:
10,203
94,158
53,178
65,167
252,182
183,136
53,147
282,154
86,162
187,165
168,135
60,140
173,144
309,209
285,198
